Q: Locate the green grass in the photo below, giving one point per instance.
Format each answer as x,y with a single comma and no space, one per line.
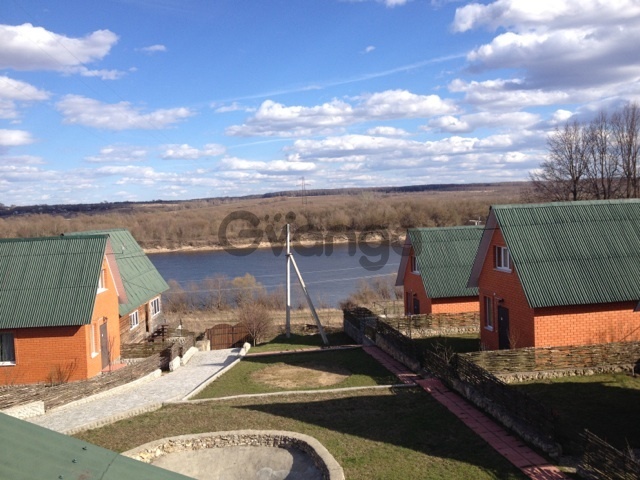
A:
380,434
298,341
607,405
365,371
461,343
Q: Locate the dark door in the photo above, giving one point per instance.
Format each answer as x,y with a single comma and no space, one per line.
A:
104,345
416,305
503,328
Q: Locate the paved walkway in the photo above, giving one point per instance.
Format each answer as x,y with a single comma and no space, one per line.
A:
505,443
139,399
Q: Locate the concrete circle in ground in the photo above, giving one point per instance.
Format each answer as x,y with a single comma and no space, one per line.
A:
236,463
242,454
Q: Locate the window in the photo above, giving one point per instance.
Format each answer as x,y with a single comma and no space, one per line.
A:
94,343
154,306
102,282
414,264
488,313
7,351
502,259
134,320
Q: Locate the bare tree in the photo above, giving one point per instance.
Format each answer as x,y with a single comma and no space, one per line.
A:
256,318
626,131
562,175
603,168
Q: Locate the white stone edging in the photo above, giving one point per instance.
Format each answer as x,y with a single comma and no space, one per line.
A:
318,453
245,349
187,356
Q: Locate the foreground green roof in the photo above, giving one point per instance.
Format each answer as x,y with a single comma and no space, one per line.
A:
445,256
49,282
141,280
574,253
33,452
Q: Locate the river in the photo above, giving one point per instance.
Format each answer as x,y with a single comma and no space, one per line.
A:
330,272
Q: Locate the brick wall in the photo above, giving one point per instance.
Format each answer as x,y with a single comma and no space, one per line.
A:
412,284
587,324
549,327
47,353
504,289
454,305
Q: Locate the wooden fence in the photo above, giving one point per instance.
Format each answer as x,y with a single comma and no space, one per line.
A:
457,372
227,336
57,395
602,461
421,326
623,354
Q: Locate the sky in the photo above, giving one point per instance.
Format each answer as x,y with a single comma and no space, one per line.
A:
139,100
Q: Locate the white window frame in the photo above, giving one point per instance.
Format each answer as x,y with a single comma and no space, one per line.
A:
94,343
134,320
155,310
488,313
12,349
502,259
102,281
414,264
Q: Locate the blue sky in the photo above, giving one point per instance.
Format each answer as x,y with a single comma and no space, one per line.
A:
113,100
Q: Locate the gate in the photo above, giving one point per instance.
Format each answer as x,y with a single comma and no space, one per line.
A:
227,336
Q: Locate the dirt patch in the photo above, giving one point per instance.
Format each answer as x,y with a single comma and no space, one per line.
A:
306,375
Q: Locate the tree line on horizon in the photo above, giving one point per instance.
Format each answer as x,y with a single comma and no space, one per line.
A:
197,224
592,160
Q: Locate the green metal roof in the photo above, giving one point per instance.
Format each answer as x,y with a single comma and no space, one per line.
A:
574,253
445,256
141,280
49,282
33,452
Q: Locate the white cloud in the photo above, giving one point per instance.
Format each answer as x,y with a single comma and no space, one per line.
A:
187,152
26,47
525,14
387,132
558,44
271,167
275,119
153,49
232,107
119,154
369,49
85,72
471,122
13,91
21,160
15,138
81,110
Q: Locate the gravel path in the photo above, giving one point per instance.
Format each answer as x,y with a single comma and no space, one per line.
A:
144,398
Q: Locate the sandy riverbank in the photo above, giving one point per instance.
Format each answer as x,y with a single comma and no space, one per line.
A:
337,240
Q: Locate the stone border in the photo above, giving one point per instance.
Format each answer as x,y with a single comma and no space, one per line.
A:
322,458
205,384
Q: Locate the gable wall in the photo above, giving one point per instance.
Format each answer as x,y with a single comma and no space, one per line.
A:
506,286
586,324
412,284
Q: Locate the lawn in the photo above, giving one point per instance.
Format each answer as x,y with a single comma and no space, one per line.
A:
378,434
297,371
299,341
607,405
461,343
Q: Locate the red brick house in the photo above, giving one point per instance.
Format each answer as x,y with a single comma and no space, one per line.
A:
559,274
435,268
58,308
141,313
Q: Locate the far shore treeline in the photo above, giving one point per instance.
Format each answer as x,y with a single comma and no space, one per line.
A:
196,224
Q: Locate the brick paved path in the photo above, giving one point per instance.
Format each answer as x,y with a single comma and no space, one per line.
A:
146,397
505,443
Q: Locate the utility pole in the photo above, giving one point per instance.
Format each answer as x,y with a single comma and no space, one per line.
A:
292,261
